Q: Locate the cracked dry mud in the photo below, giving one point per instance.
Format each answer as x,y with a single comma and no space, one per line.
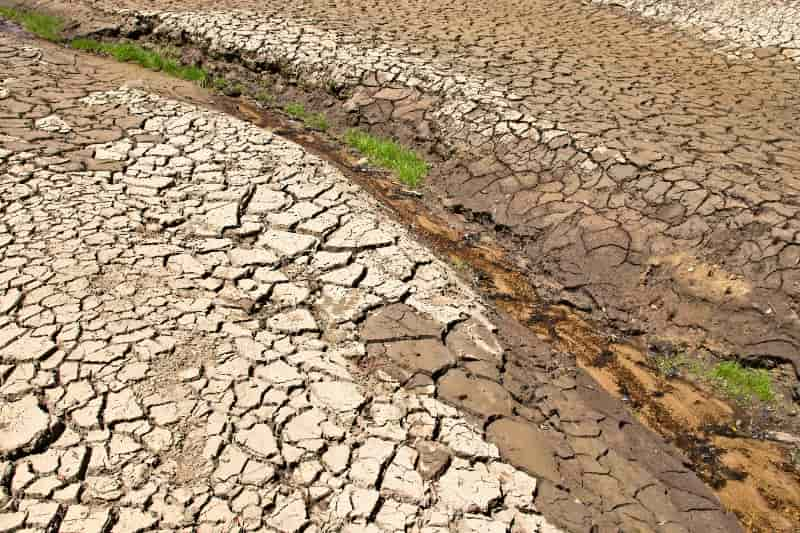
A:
181,299
650,175
203,327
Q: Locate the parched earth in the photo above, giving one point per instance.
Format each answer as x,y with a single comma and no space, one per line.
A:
649,175
205,328
744,28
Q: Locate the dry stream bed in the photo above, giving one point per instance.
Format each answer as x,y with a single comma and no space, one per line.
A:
755,478
722,440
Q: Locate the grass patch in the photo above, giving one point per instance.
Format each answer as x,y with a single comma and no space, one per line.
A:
265,97
459,264
315,121
670,365
225,86
410,168
297,111
742,383
218,83
45,26
729,378
133,53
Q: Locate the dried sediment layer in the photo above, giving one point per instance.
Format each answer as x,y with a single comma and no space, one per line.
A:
180,290
739,26
195,301
673,213
467,109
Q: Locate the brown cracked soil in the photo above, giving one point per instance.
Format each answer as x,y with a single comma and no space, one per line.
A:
692,239
746,473
664,158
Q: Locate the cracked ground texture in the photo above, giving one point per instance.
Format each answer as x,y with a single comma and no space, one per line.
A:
740,27
204,328
177,329
651,176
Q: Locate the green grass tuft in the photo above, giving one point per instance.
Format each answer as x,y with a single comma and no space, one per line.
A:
45,26
410,168
317,121
729,378
219,83
263,96
133,53
314,121
297,111
742,383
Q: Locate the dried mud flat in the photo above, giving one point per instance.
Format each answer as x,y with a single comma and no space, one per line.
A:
624,157
521,391
186,302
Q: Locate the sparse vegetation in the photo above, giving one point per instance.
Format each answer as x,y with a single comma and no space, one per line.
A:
233,88
459,264
314,121
265,97
386,153
164,59
217,82
669,366
730,378
317,121
409,167
133,53
45,26
294,110
742,383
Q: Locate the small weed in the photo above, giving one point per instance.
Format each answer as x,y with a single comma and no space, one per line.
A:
294,110
264,97
742,383
45,26
314,121
168,50
668,365
133,53
219,83
317,121
410,168
233,89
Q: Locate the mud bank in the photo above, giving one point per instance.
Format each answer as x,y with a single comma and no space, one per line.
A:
705,428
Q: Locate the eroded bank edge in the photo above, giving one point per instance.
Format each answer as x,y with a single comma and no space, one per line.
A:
739,28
